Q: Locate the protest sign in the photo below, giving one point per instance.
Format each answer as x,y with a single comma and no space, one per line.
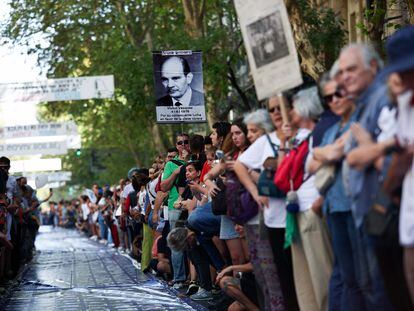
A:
178,79
270,46
58,89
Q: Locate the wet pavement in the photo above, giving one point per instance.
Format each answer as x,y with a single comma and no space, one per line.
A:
70,272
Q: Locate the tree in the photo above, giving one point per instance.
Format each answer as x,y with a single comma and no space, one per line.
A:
116,37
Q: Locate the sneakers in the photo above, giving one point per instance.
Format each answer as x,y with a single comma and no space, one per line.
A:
178,285
103,241
201,294
192,289
216,290
94,238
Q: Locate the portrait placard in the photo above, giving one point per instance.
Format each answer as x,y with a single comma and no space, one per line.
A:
270,46
179,93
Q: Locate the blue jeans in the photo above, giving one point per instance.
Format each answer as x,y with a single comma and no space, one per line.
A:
336,289
370,276
212,252
177,258
204,222
345,246
102,226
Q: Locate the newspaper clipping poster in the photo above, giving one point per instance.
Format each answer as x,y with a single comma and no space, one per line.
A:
270,47
178,79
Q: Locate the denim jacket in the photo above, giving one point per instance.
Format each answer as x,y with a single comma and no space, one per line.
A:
335,198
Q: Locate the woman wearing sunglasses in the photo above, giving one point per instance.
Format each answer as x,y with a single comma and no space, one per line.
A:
337,205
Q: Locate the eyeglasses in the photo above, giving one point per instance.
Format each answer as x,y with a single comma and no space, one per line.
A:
271,110
182,142
338,94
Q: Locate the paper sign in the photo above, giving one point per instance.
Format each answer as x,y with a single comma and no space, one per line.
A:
270,46
178,79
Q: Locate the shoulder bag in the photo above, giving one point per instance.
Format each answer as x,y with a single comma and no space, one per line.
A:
265,184
218,202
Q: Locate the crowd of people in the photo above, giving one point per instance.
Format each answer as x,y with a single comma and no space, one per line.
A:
19,221
304,205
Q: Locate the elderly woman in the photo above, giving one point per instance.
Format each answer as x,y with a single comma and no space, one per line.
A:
311,249
258,123
271,262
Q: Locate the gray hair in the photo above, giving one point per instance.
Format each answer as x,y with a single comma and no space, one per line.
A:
323,81
334,71
308,104
260,118
367,52
177,239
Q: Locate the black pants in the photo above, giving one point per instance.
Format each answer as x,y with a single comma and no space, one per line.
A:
390,261
201,262
283,261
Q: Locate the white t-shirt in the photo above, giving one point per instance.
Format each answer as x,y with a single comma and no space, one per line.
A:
307,192
151,191
406,138
253,158
141,200
85,211
127,190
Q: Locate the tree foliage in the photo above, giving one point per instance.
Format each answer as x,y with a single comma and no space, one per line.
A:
99,37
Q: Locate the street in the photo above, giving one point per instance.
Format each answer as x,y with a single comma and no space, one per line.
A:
70,272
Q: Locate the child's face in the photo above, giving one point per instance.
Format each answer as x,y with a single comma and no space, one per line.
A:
210,157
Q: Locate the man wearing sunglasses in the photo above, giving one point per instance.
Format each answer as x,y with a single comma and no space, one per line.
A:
169,176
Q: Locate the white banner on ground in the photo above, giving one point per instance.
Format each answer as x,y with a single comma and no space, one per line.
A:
270,46
58,89
36,165
45,148
42,129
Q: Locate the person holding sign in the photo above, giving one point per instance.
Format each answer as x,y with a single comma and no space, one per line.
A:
176,78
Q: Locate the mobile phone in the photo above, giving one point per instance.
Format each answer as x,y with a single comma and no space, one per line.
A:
219,154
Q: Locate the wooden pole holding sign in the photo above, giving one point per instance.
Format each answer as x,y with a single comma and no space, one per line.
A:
283,108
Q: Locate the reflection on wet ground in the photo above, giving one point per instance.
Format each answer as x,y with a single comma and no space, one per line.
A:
71,272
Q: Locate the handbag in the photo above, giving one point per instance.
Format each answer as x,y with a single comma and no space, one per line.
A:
241,206
382,219
218,202
290,173
265,184
325,177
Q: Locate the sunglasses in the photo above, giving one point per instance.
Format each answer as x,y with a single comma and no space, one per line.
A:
271,110
328,98
182,142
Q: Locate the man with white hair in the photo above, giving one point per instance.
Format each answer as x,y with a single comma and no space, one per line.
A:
359,65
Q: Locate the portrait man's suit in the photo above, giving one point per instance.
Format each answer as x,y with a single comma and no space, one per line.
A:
197,99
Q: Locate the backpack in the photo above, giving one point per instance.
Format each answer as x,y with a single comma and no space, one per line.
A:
289,174
241,207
